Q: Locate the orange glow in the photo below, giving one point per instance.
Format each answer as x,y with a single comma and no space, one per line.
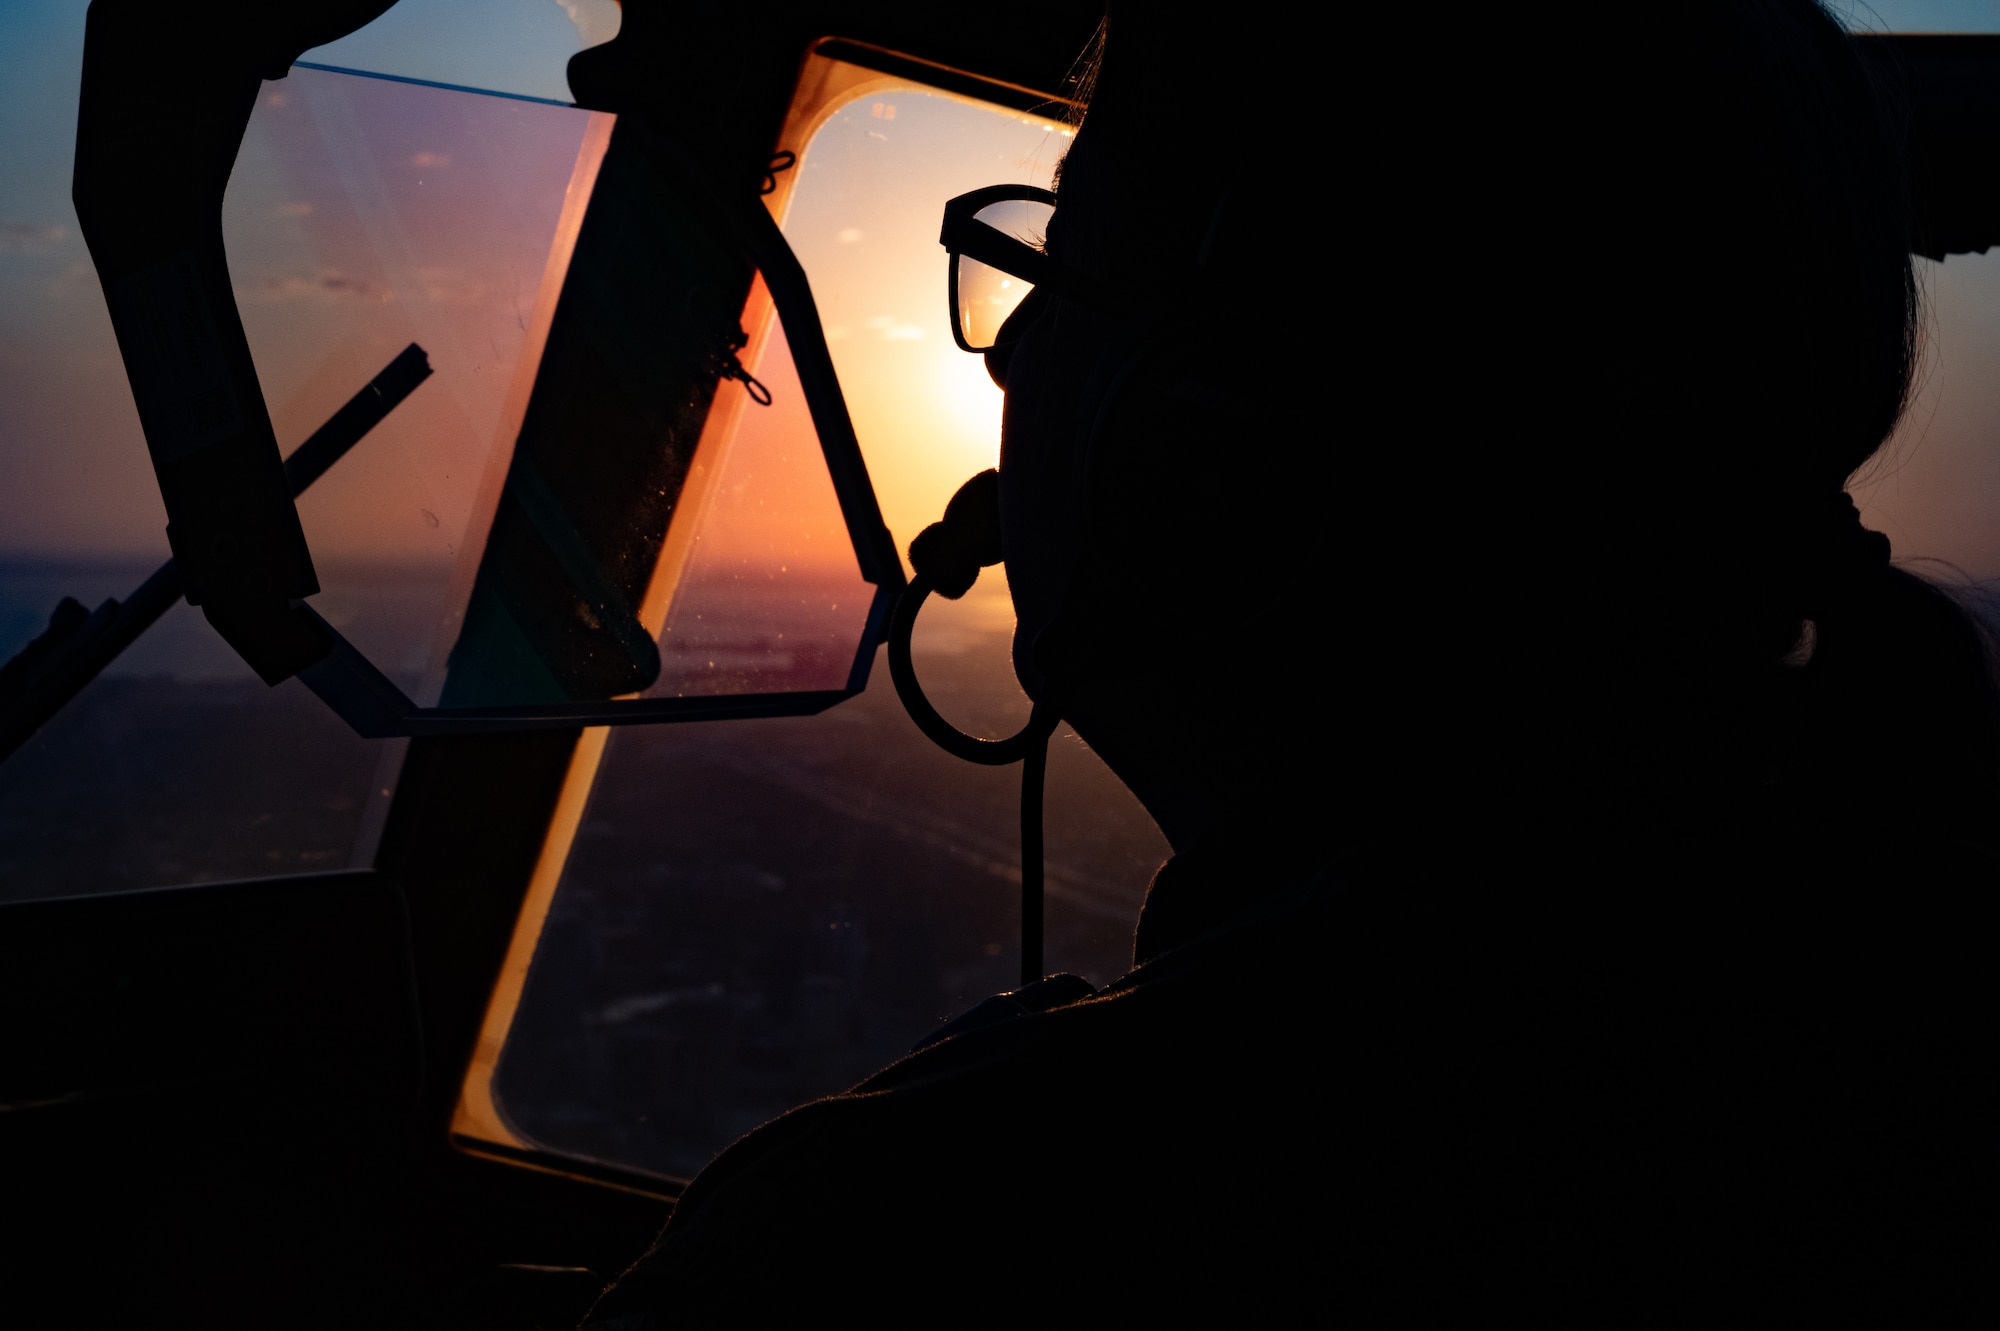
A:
862,209
760,510
364,215
478,1115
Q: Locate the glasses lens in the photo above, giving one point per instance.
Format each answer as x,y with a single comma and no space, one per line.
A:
986,296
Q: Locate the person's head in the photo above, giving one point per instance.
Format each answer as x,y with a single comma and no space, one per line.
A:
1155,450
1495,476
1754,325
1759,312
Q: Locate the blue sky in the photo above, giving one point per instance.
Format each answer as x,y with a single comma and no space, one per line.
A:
62,451
520,46
1919,15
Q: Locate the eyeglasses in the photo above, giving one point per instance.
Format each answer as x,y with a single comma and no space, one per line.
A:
995,236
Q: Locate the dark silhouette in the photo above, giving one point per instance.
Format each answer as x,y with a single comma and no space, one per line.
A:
54,668
1583,831
1432,503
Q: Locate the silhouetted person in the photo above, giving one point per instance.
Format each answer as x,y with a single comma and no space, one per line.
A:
1583,833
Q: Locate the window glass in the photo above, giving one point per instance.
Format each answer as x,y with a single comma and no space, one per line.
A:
177,765
1917,15
743,915
755,913
766,596
367,214
1934,488
517,46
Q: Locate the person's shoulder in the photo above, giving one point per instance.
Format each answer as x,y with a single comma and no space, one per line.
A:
984,1142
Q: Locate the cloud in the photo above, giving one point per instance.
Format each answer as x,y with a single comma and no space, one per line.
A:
451,286
30,237
895,330
596,20
437,284
79,278
431,159
327,286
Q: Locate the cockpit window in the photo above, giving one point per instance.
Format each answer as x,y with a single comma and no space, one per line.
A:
366,215
734,916
356,225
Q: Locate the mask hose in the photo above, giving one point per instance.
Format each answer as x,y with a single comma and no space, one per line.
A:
947,556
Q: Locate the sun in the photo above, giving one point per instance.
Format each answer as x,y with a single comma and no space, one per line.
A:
971,402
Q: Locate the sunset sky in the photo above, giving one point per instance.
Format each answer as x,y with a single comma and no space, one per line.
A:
454,253
365,215
863,218
862,213
77,482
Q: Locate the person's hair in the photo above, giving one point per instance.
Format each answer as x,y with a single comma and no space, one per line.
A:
1080,84
1770,344
1165,198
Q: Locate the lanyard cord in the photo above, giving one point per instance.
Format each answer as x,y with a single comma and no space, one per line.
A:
1034,780
1029,746
948,555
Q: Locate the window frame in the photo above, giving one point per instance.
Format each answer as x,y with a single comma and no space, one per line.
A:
834,73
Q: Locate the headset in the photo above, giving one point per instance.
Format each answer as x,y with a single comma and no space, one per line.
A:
948,555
